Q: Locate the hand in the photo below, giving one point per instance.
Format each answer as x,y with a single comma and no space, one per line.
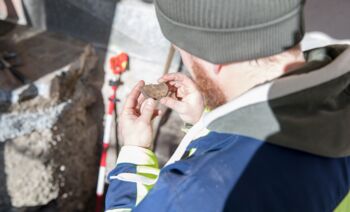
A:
135,122
187,101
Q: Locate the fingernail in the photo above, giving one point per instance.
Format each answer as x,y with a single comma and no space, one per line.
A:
150,102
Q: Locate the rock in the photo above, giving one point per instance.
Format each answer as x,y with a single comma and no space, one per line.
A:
29,93
155,91
49,141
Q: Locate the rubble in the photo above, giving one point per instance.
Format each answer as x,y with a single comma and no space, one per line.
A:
49,141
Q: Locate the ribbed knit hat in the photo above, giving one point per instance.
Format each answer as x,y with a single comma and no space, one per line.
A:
225,31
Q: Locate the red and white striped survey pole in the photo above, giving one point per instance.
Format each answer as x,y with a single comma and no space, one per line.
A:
118,65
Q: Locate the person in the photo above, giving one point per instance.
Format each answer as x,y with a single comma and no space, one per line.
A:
270,122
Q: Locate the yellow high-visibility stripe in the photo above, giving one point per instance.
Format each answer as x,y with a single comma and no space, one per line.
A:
143,189
344,205
192,151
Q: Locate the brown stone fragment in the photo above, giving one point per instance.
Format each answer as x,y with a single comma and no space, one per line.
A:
155,91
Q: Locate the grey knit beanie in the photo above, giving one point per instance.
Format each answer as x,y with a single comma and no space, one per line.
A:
225,31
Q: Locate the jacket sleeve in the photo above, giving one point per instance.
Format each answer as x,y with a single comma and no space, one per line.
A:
133,177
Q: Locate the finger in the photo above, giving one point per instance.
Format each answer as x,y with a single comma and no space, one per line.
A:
131,101
178,93
178,80
178,106
156,113
176,84
148,109
140,101
174,77
179,88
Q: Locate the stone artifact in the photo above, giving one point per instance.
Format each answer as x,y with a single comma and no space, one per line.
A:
155,91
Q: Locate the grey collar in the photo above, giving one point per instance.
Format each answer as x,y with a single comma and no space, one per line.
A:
307,110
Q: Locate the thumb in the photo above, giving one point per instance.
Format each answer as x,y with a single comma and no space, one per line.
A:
148,110
173,104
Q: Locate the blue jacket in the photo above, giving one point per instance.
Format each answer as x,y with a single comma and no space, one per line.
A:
282,146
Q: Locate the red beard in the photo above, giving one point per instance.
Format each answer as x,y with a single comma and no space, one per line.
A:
213,96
